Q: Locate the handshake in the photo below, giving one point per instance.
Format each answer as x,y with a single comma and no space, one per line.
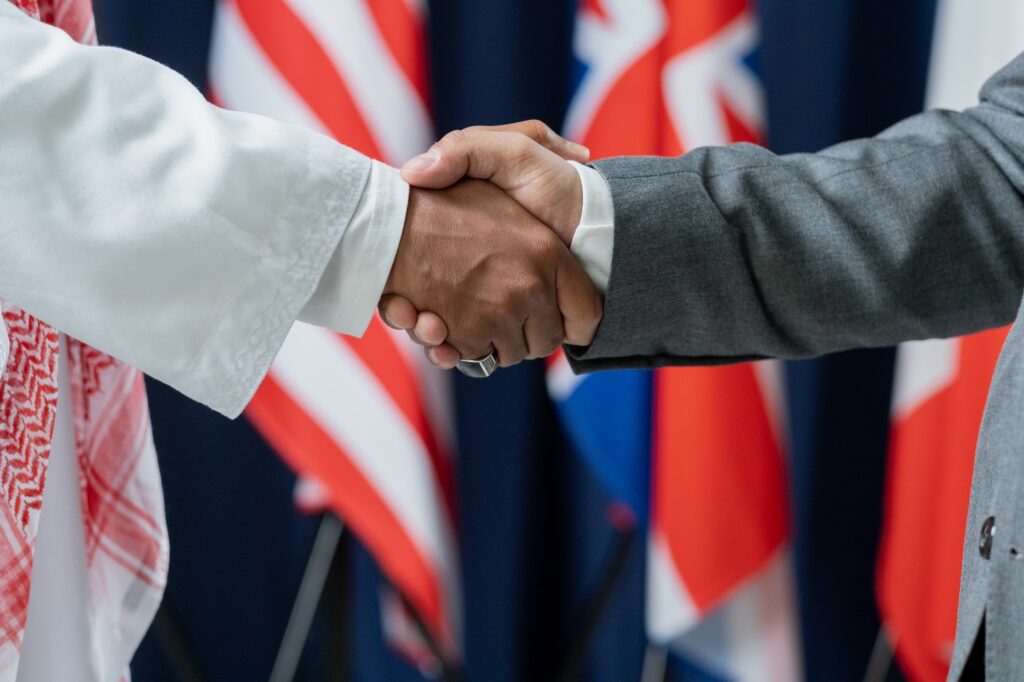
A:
483,268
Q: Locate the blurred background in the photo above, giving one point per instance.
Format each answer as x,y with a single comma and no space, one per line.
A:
785,521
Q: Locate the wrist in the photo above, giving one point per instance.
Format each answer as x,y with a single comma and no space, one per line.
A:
395,277
571,212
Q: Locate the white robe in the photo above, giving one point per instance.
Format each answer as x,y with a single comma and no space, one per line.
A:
173,235
176,236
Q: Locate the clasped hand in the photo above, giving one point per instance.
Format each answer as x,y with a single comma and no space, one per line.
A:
483,264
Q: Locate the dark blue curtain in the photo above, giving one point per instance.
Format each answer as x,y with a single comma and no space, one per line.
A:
533,522
836,70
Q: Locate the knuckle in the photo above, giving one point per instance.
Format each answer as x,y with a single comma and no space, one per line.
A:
536,130
538,294
529,293
521,144
454,138
509,310
545,246
508,357
471,349
530,287
549,345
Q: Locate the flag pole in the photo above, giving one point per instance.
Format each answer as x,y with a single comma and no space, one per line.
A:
881,658
594,608
172,641
318,566
449,673
655,664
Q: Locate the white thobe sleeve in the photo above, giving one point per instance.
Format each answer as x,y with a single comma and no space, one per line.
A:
351,286
176,236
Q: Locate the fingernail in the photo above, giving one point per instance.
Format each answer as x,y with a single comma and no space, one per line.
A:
422,162
581,150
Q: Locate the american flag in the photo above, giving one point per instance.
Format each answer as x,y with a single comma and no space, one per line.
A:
939,394
661,77
363,418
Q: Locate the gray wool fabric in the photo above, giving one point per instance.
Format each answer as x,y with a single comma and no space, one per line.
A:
733,253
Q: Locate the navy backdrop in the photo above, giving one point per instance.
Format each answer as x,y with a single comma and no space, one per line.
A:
532,519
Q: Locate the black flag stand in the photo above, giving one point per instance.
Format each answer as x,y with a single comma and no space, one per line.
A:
880,663
323,554
172,641
312,586
336,601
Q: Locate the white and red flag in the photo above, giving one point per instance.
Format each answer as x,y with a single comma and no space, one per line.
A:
363,418
662,77
939,395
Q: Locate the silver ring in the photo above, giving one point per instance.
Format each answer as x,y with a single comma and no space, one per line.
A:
479,369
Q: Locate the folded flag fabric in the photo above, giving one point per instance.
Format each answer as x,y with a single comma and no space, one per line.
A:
364,419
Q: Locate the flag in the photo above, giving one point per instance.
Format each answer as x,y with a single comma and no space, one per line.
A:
364,419
661,77
939,394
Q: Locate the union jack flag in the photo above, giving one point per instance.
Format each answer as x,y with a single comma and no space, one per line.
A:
662,77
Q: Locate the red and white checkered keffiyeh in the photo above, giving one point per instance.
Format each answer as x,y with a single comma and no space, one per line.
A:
122,502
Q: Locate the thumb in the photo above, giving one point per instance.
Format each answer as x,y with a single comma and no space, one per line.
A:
579,301
543,135
440,166
539,179
450,160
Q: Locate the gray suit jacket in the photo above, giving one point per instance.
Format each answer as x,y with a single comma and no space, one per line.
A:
734,253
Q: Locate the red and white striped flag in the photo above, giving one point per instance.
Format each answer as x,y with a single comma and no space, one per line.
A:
364,418
939,394
662,77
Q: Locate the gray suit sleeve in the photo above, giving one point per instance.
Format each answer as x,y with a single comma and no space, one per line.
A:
733,253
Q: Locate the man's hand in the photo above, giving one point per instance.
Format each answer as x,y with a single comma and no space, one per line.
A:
493,272
528,161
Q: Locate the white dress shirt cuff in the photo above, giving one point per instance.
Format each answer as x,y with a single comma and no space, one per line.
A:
351,285
594,239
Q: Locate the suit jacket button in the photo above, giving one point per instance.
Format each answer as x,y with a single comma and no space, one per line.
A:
988,529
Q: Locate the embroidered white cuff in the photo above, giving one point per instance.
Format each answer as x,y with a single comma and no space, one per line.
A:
350,287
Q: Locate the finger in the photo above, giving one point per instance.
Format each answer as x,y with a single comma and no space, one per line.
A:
482,154
542,134
430,330
444,356
469,349
510,347
397,312
540,180
544,331
579,301
458,154
451,158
